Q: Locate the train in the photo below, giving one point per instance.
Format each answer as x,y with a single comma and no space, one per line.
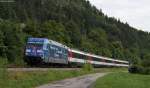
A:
44,50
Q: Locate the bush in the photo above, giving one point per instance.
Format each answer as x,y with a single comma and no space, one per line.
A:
139,69
135,69
146,60
145,70
87,67
3,71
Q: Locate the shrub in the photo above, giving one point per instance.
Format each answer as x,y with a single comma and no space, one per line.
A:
3,71
145,70
87,67
139,69
135,69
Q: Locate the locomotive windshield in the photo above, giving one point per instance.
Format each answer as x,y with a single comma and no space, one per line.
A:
32,45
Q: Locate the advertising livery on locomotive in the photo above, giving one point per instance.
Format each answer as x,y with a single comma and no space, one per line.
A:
43,50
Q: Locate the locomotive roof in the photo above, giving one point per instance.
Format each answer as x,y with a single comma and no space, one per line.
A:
36,40
42,40
57,43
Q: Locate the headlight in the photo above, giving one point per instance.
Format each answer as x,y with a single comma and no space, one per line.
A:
28,50
39,51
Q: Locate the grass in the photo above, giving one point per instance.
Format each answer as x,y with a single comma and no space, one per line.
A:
110,69
32,79
21,79
123,80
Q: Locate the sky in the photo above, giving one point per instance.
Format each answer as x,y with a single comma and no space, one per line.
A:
135,12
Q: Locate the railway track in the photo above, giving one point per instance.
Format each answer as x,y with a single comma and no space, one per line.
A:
63,69
40,69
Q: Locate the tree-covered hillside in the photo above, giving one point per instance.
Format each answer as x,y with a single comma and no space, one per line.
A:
75,23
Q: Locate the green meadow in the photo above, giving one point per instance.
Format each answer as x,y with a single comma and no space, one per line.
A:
32,79
22,79
123,80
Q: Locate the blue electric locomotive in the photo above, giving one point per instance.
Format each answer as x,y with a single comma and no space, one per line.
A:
42,50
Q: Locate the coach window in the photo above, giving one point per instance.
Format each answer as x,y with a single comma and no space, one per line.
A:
123,63
80,56
102,60
108,61
84,57
76,55
64,53
126,63
95,59
117,62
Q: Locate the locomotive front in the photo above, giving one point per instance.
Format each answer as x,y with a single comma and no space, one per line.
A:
34,53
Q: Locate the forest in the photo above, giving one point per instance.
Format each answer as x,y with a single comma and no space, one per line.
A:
75,23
